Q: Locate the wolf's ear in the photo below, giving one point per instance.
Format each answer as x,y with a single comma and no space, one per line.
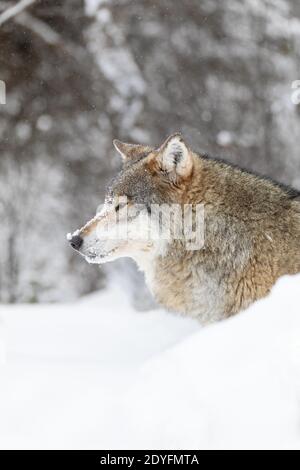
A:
175,157
124,149
130,151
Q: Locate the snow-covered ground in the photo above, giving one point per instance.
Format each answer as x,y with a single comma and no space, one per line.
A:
96,374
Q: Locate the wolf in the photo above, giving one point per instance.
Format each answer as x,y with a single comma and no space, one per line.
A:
251,229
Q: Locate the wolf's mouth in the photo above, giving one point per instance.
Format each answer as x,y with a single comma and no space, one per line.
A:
93,257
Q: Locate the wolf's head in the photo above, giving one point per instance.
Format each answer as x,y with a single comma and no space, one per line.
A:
150,180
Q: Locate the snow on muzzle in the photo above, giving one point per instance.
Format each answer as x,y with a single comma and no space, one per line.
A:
100,237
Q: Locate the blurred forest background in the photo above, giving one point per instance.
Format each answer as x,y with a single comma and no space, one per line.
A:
80,73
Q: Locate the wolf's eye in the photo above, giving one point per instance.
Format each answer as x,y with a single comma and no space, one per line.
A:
120,206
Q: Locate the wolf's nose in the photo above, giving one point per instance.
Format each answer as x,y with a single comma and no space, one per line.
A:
76,242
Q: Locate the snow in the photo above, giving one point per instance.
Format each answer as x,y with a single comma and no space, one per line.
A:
92,6
224,138
96,374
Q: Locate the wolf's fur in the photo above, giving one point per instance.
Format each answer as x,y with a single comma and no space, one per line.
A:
252,229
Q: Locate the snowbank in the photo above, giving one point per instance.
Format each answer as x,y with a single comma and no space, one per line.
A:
98,375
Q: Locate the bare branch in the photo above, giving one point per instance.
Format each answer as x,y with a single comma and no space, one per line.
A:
49,35
40,28
15,10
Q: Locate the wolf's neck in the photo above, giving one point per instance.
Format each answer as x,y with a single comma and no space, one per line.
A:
158,265
147,260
